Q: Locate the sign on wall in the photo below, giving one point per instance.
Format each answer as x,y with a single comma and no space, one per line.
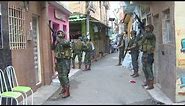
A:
58,15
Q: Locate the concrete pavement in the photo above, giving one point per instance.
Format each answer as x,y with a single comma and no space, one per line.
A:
44,92
114,78
104,84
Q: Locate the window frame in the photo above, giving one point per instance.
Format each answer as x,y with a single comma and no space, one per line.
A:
166,27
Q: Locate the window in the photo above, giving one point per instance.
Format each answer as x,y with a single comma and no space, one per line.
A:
166,27
149,21
16,19
1,36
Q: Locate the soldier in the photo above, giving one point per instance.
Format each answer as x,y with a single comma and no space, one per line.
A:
121,46
147,42
63,57
134,51
87,49
77,51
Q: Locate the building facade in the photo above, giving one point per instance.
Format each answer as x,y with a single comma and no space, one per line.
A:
58,20
169,64
25,40
98,28
22,42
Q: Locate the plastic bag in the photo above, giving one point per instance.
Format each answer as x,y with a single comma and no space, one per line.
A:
127,62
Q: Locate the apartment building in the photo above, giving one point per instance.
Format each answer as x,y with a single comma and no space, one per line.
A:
98,28
167,18
25,40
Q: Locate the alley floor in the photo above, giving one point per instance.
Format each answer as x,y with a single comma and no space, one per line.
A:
104,84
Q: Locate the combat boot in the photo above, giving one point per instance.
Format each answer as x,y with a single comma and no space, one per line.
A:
150,84
79,65
85,68
73,63
136,74
133,73
66,93
89,68
62,90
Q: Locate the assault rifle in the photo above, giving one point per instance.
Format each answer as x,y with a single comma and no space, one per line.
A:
141,27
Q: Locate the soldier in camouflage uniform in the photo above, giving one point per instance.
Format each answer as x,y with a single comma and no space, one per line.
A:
77,51
87,49
148,46
134,51
121,46
63,57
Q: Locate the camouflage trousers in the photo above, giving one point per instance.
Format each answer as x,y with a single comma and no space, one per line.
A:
134,56
121,53
87,59
147,61
63,68
79,54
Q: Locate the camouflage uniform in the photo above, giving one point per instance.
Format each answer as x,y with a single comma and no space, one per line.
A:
148,45
134,51
121,47
87,60
77,51
63,57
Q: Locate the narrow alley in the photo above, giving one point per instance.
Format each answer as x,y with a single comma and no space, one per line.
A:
104,84
80,46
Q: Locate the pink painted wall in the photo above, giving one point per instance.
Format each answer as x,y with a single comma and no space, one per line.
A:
61,23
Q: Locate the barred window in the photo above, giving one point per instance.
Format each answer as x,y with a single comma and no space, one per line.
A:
16,19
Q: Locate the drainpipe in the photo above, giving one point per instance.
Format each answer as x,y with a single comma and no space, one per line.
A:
87,20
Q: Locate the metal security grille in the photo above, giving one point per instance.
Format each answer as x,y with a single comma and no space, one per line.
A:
16,20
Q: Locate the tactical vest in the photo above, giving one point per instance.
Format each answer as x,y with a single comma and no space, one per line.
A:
149,43
132,42
88,47
63,50
78,45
